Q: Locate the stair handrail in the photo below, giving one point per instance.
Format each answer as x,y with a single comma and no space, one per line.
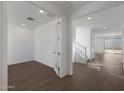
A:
82,49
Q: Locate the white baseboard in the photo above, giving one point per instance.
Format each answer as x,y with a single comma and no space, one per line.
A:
18,62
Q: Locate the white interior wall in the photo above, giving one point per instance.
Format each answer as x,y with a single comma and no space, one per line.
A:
92,44
64,47
20,44
107,32
44,43
99,44
84,38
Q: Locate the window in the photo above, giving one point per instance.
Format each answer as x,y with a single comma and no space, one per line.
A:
113,45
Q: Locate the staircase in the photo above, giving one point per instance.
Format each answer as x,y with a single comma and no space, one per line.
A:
80,53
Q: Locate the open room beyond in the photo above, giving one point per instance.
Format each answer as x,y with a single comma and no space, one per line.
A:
61,46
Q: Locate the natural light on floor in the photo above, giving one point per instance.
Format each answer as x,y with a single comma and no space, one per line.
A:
114,51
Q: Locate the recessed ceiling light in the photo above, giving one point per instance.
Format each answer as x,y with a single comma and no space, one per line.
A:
41,11
23,24
89,18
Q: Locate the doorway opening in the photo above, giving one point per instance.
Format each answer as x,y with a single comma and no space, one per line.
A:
98,45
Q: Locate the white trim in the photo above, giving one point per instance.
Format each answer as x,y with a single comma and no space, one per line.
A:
0,46
122,31
71,47
3,63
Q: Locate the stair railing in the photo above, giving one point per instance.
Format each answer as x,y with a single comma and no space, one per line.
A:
82,50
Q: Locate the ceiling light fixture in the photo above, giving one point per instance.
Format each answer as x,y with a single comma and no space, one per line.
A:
23,24
42,11
89,18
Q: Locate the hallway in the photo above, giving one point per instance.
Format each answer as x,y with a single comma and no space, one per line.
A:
84,78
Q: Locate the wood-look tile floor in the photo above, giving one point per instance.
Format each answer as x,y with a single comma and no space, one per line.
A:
36,76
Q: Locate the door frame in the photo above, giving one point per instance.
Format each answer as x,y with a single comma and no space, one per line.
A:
56,65
3,47
59,40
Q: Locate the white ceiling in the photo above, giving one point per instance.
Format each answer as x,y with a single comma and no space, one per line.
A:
70,6
19,11
112,18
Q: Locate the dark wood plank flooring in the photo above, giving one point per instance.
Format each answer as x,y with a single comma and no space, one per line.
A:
36,76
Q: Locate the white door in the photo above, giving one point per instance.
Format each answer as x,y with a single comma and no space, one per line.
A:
56,53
